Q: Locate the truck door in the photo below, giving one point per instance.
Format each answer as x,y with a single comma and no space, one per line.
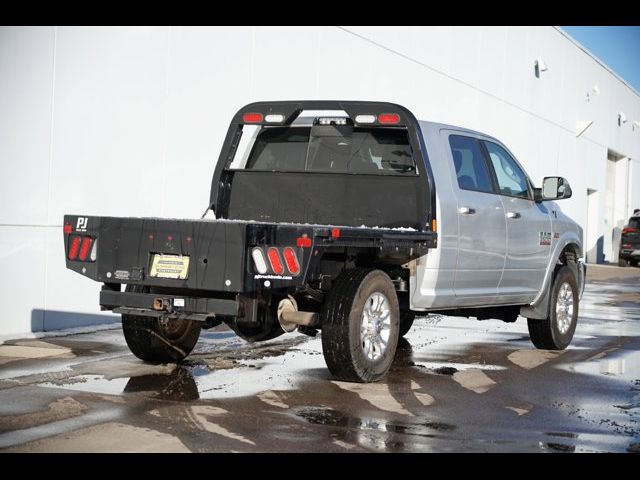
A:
529,232
481,222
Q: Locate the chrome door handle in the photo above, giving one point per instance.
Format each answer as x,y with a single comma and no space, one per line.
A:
467,210
513,215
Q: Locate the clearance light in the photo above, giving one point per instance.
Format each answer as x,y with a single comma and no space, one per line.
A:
335,233
274,260
274,118
366,119
67,228
291,260
389,118
252,118
259,261
304,241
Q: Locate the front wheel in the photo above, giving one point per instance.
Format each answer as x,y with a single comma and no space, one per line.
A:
556,332
155,340
360,325
622,262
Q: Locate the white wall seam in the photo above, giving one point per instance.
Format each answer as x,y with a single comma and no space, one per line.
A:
49,179
165,120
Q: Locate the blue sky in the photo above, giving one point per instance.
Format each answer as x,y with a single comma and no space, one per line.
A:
618,47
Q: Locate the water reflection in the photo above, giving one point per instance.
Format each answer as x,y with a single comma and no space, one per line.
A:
178,385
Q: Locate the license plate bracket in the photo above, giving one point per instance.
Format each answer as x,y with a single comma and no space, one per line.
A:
169,266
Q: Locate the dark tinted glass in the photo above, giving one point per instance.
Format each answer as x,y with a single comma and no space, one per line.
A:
352,150
471,168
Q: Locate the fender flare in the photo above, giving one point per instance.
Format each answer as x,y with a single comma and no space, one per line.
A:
539,307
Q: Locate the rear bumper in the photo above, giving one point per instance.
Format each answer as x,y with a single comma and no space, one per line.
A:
162,304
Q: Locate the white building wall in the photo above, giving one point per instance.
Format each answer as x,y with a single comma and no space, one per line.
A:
128,121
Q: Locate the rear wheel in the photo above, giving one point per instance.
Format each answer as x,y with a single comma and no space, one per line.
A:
622,262
556,332
159,341
360,325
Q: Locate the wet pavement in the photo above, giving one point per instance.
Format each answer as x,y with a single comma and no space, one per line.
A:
457,385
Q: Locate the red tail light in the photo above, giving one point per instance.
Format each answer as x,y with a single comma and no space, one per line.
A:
75,247
291,260
304,241
274,260
389,118
252,118
84,248
629,230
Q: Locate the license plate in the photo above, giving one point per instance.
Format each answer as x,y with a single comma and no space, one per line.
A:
169,266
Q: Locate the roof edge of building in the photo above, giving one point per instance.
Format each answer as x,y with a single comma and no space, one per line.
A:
606,67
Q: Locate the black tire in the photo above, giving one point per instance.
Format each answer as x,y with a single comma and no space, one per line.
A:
622,262
154,342
545,334
406,321
342,315
257,334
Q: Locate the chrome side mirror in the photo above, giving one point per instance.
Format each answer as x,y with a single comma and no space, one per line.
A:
553,188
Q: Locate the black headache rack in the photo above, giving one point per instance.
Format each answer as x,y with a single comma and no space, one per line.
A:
320,197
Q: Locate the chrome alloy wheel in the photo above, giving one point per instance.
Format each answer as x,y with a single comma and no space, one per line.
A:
564,308
375,327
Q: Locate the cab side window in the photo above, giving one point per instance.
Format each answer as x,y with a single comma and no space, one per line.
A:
471,168
512,180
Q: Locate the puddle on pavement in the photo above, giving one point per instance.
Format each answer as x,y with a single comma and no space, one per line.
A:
180,385
562,434
334,418
558,447
90,384
620,363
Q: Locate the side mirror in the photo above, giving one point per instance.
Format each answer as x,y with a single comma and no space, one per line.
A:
553,188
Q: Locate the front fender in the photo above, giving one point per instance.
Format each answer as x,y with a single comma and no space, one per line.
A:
539,308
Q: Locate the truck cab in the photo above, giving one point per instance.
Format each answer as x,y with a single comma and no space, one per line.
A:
344,218
497,233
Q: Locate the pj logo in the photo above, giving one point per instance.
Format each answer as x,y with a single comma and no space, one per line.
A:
81,226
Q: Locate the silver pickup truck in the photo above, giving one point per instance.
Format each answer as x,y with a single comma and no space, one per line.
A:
347,217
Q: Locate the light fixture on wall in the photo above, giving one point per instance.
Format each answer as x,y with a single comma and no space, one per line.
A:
540,66
622,118
593,92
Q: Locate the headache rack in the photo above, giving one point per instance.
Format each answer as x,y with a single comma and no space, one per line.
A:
360,114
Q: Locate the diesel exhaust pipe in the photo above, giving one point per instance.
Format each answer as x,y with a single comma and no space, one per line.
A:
290,318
